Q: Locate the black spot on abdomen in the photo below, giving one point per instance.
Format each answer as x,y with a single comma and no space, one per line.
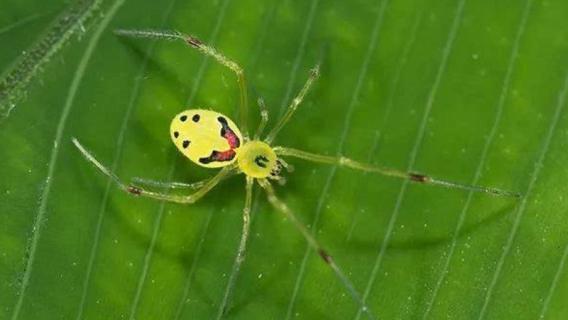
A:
185,144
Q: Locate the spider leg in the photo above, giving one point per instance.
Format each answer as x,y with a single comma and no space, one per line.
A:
328,259
206,50
168,185
207,186
172,184
314,74
241,251
412,176
263,118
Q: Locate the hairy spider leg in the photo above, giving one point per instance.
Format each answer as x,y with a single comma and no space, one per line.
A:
168,184
173,184
414,177
314,74
241,251
263,118
138,191
280,206
240,257
208,51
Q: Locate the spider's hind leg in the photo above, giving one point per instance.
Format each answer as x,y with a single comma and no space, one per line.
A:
280,206
168,184
139,191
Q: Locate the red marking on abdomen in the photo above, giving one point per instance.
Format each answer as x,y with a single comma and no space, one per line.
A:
232,139
227,133
224,155
219,156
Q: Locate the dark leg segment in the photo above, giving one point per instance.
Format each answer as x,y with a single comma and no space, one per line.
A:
415,177
328,259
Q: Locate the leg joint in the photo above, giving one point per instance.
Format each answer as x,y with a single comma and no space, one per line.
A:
325,256
194,42
416,177
134,190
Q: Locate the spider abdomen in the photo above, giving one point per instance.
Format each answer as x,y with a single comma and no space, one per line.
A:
208,138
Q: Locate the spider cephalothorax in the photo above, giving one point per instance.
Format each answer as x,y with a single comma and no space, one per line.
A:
258,160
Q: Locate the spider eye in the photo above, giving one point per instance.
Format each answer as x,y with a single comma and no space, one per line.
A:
261,161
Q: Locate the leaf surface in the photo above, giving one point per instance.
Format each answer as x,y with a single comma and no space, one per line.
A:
468,91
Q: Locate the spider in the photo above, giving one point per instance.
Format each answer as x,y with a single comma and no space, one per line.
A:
212,140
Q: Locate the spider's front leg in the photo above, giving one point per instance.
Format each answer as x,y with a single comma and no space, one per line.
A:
138,191
411,176
208,51
263,118
314,74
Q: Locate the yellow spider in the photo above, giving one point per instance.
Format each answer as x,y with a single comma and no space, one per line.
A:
212,140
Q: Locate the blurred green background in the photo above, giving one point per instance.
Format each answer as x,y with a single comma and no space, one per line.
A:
469,91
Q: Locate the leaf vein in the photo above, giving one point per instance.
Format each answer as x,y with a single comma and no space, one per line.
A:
554,284
159,216
41,215
412,159
521,210
117,157
346,126
15,79
485,151
299,55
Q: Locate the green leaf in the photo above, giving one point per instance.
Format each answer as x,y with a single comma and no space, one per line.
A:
468,91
